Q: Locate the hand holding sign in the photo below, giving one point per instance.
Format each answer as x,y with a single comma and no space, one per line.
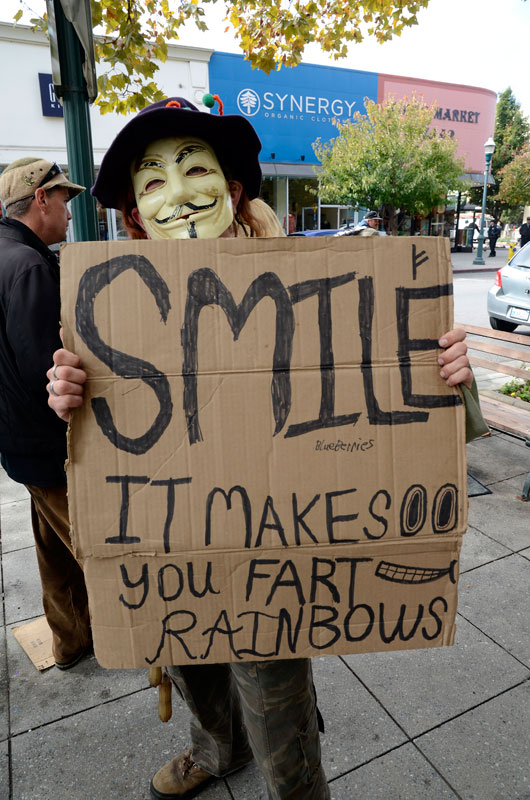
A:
68,392
68,381
454,360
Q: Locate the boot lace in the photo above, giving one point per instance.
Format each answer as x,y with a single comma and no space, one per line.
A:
188,764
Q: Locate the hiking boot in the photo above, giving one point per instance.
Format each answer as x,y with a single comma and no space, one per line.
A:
63,665
180,778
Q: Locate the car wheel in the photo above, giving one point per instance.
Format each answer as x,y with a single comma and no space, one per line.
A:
502,325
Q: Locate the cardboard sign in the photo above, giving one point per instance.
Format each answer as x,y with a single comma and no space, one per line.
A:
35,638
267,463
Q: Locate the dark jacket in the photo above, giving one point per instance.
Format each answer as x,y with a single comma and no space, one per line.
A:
494,232
524,230
32,437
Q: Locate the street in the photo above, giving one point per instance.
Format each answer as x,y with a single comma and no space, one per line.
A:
470,297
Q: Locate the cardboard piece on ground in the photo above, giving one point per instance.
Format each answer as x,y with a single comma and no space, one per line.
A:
35,638
267,463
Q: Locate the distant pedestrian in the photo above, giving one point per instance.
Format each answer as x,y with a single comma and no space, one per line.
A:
369,226
494,231
524,230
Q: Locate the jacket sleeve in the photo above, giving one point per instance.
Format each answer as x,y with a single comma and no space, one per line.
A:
476,425
33,322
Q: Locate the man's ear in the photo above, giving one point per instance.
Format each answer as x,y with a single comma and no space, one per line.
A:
135,214
41,198
236,189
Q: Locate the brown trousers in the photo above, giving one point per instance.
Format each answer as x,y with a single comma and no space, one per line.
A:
64,595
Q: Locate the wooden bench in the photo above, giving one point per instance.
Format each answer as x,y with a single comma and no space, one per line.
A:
506,414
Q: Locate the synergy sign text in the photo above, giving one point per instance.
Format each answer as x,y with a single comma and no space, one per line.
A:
304,101
291,106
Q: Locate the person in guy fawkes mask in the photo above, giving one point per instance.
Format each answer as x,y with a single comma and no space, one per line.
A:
195,180
177,172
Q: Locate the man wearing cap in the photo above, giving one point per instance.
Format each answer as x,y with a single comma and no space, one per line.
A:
371,220
524,230
369,226
177,173
35,194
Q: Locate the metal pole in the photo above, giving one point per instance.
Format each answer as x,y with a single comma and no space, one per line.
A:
287,205
456,246
77,127
479,259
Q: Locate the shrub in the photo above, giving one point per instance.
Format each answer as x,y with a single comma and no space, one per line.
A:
517,388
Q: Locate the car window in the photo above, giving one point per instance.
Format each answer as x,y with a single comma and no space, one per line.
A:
522,257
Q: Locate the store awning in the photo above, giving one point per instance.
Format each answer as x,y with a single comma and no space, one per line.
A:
476,178
271,169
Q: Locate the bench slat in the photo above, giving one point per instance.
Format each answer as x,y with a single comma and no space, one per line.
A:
507,418
516,338
500,414
496,366
499,350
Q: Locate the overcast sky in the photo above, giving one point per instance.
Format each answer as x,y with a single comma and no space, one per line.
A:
476,42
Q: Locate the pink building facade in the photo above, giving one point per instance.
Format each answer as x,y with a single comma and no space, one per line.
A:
466,112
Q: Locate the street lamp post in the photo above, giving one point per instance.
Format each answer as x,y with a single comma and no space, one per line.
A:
489,148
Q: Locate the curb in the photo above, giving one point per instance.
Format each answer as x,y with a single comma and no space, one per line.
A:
477,269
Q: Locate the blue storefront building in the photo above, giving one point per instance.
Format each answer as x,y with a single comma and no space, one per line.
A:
290,109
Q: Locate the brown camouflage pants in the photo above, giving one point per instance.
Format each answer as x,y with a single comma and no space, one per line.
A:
261,708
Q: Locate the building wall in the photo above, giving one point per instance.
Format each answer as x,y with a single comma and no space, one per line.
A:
465,112
24,130
291,108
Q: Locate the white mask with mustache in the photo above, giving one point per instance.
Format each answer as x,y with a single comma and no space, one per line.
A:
181,191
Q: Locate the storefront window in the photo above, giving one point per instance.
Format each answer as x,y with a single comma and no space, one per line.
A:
121,232
110,225
103,227
303,204
305,213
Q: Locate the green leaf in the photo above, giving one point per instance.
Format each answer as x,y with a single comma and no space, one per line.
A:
270,34
388,157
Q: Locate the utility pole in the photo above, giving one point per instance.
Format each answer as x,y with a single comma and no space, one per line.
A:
75,84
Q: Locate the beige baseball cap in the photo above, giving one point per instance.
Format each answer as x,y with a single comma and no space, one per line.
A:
23,177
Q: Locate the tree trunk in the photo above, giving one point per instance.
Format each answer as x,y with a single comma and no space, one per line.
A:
392,220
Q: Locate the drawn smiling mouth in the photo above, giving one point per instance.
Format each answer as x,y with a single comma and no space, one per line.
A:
177,213
400,573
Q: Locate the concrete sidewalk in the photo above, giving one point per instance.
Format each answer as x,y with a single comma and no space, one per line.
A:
418,725
463,262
